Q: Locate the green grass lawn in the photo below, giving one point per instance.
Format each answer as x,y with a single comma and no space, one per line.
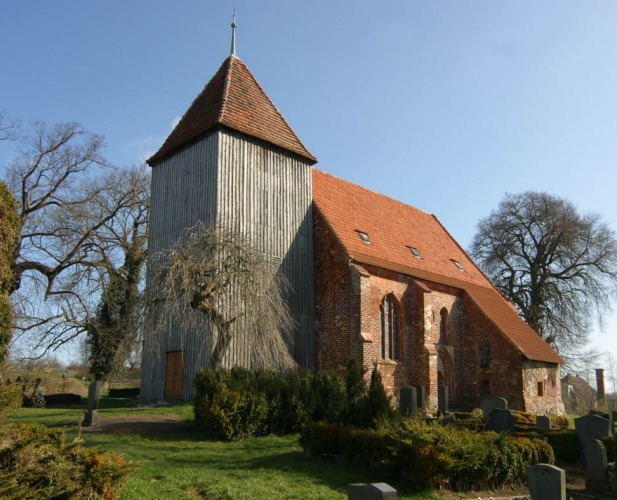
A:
177,466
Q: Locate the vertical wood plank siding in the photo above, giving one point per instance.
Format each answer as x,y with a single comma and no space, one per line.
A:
257,190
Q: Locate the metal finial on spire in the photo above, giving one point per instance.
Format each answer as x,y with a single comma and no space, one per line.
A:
233,34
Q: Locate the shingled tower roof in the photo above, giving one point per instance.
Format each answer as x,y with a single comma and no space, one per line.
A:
233,98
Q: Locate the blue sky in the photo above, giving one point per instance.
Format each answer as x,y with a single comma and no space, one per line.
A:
445,105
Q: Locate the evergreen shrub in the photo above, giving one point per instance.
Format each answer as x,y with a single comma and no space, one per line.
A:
35,462
610,443
565,444
524,417
432,455
320,438
262,403
559,421
367,449
10,397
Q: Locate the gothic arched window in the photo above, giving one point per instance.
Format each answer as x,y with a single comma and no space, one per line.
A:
443,326
388,329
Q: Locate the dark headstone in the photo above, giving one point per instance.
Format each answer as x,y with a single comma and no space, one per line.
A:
408,402
500,421
597,466
92,415
543,422
421,393
614,415
445,422
546,482
373,491
591,427
442,399
492,402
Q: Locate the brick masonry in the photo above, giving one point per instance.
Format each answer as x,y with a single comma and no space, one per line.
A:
347,299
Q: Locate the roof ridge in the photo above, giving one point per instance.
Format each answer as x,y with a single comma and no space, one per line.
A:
233,98
229,62
374,192
274,106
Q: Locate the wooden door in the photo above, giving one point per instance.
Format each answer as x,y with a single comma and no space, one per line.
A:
174,375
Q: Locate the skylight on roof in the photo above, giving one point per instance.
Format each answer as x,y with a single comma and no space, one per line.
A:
364,237
459,265
415,252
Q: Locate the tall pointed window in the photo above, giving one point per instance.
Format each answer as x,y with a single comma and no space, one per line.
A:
388,329
443,326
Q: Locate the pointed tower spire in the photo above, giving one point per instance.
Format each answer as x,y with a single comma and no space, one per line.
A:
233,34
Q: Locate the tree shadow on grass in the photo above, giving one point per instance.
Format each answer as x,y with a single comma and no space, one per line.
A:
246,458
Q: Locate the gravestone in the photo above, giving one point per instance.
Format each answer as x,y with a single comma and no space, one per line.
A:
373,491
546,482
442,399
500,421
492,402
591,427
543,422
408,402
92,415
445,422
614,415
597,466
421,393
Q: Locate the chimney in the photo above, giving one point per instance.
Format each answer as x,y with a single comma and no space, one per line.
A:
600,384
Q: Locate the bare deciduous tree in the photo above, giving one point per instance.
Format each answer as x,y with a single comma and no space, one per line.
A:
557,266
8,127
114,331
62,201
217,273
100,292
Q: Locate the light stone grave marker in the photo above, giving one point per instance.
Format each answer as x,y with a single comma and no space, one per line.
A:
546,482
373,491
597,466
92,415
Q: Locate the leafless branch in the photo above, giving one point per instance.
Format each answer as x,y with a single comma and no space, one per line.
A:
215,272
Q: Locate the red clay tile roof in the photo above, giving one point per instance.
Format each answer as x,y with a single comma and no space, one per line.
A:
393,227
233,98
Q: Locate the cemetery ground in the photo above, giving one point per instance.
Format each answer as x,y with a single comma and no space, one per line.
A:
177,463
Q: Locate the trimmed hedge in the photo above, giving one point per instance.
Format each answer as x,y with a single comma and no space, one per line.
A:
432,455
320,438
459,459
238,403
368,449
35,462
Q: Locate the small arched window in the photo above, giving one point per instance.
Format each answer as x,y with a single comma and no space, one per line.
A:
443,326
388,329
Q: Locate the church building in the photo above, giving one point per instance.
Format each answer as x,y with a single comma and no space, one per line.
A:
372,277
